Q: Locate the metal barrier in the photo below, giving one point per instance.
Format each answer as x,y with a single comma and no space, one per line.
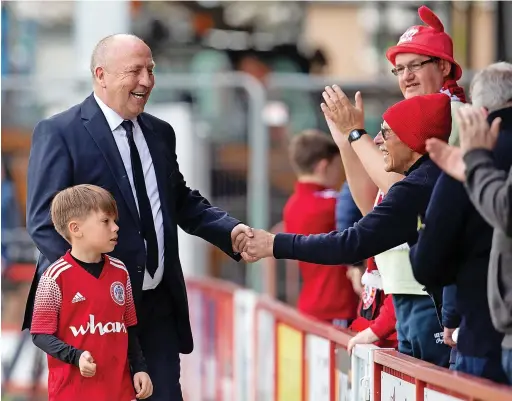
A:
250,347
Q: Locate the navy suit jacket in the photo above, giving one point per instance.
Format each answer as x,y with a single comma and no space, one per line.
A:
78,147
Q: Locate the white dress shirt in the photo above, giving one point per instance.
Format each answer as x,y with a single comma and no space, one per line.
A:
114,121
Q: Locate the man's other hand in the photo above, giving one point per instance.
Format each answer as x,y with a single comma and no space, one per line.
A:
474,130
238,236
339,110
448,158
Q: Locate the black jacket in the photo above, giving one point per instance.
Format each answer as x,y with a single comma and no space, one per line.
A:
454,247
489,186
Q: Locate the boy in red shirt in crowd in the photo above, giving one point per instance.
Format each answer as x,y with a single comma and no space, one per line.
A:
327,294
84,314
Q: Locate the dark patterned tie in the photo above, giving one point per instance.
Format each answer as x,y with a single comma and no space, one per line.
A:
146,215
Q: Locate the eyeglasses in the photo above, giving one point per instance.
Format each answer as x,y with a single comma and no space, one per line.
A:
413,67
385,132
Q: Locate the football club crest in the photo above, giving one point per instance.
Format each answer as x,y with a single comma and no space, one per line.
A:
117,292
368,296
408,35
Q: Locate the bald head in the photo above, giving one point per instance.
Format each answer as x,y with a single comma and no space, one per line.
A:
122,69
110,46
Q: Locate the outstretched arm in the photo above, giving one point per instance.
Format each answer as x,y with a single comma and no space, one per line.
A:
390,224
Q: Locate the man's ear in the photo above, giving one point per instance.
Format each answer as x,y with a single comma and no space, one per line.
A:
99,75
446,68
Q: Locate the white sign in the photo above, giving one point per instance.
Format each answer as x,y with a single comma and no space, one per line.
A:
432,395
318,360
395,389
245,302
265,343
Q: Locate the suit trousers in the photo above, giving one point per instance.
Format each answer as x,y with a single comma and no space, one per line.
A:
159,342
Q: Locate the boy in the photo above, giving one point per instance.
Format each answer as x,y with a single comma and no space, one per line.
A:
84,314
327,293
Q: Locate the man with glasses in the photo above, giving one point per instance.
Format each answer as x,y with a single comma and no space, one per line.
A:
424,64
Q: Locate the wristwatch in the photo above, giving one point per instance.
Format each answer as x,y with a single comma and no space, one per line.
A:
355,135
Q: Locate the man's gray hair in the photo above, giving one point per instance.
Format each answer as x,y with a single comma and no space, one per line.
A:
492,87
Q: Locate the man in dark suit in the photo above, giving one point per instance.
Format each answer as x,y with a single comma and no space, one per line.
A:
109,141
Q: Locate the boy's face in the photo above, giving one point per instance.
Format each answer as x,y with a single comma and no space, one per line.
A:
96,233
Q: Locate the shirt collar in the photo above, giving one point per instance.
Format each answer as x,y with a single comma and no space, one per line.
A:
309,187
506,117
114,120
417,163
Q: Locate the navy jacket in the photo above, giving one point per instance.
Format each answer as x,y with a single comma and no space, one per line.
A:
393,222
77,147
454,247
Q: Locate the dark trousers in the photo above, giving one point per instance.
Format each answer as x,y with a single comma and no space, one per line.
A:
159,343
488,367
506,361
419,329
453,358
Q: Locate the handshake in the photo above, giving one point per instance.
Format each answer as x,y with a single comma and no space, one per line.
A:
252,244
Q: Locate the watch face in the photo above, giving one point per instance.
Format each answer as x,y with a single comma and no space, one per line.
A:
355,135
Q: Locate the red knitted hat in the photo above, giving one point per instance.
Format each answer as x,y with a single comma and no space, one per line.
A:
420,118
430,40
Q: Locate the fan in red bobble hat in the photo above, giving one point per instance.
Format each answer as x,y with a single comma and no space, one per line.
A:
423,59
407,126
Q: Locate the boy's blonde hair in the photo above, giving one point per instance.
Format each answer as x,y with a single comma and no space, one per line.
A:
77,202
310,147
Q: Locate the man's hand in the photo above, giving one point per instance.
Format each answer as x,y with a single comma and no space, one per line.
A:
337,136
261,245
239,233
448,337
448,158
143,385
367,336
86,364
341,112
474,129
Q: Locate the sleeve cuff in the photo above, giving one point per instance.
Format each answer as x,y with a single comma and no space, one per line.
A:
381,330
283,246
477,156
450,321
78,354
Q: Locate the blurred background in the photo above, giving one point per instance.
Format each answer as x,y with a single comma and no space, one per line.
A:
236,79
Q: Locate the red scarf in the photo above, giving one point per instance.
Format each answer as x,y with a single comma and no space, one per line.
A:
452,89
